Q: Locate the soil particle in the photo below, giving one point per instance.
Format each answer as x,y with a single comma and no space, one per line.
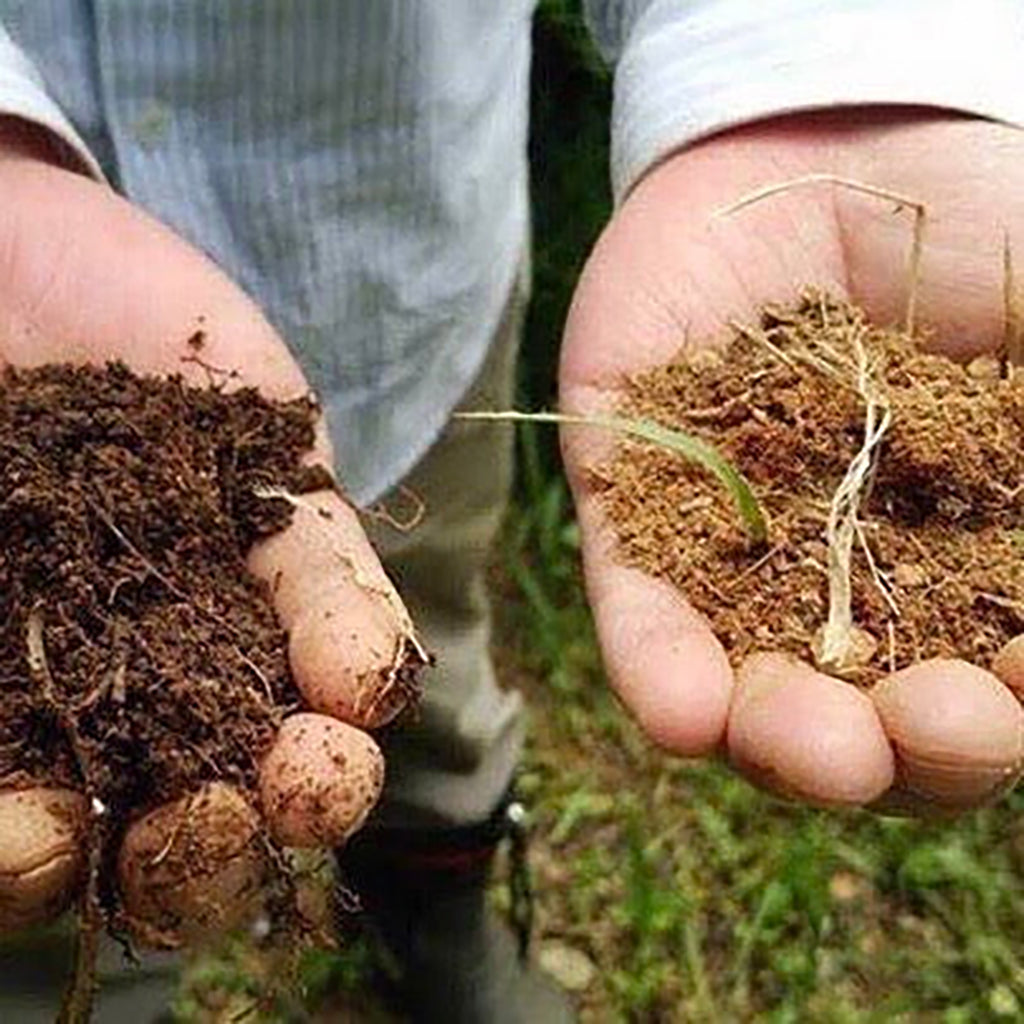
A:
936,567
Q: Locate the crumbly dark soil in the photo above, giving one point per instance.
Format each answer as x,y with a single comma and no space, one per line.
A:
943,519
137,657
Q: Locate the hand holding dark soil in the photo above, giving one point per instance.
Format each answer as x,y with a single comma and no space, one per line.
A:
87,279
668,274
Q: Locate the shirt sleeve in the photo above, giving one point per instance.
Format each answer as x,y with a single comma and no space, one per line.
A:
23,95
689,68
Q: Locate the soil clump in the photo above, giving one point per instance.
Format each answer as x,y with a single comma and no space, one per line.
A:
127,505
935,568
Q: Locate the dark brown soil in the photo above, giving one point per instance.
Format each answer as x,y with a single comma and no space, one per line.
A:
137,656
944,515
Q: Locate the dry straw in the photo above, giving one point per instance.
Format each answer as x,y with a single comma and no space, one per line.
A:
864,188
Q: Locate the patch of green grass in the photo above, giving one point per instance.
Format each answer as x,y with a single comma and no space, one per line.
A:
702,899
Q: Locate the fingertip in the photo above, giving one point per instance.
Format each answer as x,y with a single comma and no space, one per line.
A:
319,781
41,854
957,730
806,735
351,647
1008,665
192,868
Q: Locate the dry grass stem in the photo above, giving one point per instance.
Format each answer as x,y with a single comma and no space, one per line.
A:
864,188
400,524
838,647
760,338
880,579
1012,354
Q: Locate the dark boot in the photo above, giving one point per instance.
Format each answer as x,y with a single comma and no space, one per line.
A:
424,899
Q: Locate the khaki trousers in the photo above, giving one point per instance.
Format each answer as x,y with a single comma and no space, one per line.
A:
453,762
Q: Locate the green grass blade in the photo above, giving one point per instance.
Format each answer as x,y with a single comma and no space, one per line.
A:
692,448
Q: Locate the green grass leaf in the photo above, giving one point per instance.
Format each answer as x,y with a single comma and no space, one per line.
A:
692,448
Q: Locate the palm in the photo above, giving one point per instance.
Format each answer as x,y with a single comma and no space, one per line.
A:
667,265
85,277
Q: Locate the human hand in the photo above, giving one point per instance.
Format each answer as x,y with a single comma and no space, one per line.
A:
938,736
85,277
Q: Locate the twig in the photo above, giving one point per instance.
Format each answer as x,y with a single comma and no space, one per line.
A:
901,201
881,583
178,592
255,669
125,540
407,525
213,372
753,568
76,1006
760,338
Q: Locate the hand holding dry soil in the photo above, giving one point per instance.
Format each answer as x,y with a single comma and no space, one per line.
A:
87,279
668,277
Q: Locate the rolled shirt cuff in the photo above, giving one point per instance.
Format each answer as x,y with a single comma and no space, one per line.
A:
691,68
23,95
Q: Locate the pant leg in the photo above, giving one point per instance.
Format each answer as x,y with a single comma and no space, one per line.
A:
35,968
453,763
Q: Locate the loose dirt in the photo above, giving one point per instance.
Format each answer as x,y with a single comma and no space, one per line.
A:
138,657
936,562
126,509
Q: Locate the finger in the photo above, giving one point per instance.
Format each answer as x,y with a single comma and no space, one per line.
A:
41,854
806,735
957,731
319,781
193,868
1008,665
660,655
350,641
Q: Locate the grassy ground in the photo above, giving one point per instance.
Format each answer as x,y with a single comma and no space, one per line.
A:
670,891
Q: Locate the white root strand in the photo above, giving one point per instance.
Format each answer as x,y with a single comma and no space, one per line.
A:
837,645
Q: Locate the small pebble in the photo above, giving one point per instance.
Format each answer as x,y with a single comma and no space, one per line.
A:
570,967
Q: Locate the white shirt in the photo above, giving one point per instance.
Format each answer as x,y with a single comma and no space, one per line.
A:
359,166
